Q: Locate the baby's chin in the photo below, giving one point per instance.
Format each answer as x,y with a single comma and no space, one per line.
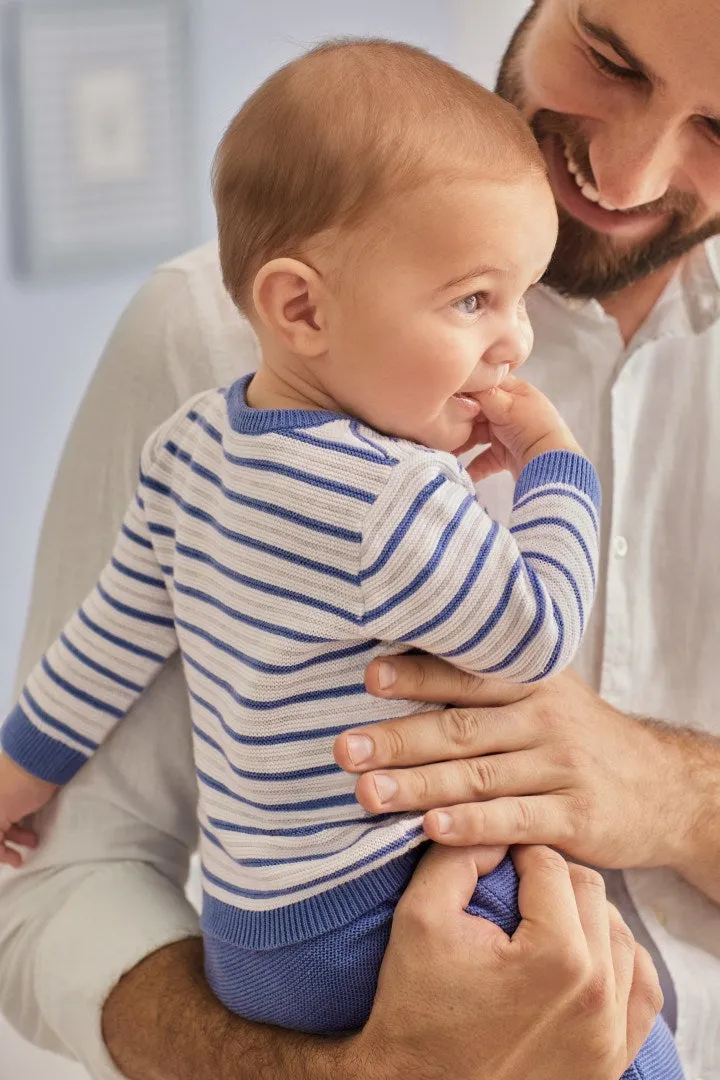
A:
448,430
445,433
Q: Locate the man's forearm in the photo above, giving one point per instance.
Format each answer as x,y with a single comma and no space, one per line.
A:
162,1022
695,786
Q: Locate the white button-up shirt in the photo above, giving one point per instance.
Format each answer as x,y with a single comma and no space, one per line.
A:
648,415
644,414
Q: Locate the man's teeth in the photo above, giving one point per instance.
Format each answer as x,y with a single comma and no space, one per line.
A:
589,190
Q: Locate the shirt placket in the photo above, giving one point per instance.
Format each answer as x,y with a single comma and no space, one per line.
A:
616,670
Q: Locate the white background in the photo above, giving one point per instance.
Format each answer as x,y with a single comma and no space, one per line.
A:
51,337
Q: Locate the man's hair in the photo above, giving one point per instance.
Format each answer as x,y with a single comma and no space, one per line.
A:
330,136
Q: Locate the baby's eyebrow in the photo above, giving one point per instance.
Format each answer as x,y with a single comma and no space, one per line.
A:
476,272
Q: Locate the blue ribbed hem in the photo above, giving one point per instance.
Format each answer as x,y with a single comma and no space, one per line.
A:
560,467
36,752
243,418
309,918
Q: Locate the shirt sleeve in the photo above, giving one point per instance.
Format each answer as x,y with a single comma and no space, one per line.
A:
437,573
118,838
103,659
66,937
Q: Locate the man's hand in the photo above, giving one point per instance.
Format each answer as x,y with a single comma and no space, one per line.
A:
569,993
550,764
456,998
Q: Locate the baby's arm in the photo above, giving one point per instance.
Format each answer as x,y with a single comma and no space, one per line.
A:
103,659
437,573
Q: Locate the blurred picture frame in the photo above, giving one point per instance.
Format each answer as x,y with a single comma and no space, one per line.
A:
99,118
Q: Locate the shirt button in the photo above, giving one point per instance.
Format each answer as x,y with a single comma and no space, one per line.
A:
620,547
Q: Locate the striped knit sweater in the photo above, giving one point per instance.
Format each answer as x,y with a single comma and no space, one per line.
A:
281,551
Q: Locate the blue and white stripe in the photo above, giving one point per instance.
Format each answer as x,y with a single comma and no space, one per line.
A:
280,552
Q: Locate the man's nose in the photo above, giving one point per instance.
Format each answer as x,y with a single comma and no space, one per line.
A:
635,160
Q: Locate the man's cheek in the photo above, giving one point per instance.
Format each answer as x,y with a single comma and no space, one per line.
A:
556,75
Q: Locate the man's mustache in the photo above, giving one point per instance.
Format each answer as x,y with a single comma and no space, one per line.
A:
546,123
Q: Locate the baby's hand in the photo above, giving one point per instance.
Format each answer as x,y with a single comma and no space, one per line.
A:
20,794
519,423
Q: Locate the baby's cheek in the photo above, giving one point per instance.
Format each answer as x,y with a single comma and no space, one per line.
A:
528,336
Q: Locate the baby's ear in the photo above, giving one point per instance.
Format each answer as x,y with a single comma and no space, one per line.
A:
289,298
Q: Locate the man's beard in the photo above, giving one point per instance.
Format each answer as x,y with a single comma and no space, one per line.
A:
586,263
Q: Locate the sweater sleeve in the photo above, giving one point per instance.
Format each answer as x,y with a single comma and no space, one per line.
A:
437,573
103,659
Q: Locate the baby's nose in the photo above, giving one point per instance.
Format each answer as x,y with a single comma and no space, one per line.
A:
513,348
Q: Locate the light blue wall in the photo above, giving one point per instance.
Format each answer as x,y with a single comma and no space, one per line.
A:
51,337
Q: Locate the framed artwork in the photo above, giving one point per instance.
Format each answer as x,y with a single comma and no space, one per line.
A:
99,126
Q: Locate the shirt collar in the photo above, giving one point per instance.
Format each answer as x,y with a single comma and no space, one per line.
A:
689,304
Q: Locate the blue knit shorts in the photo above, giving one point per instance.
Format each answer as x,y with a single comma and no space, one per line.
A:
326,984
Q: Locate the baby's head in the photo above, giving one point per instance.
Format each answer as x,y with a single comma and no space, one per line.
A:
380,217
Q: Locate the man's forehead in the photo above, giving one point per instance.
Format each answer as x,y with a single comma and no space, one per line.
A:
678,41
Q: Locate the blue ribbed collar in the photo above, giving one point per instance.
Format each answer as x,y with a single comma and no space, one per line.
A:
246,420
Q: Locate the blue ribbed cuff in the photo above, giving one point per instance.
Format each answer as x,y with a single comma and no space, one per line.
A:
560,467
318,914
37,753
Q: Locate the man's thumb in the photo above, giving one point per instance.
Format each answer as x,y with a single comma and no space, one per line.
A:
446,877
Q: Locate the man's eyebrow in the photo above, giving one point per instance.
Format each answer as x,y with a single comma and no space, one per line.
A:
611,38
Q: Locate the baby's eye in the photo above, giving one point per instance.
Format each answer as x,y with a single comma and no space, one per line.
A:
470,305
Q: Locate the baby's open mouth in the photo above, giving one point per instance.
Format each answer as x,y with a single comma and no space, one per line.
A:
468,401
496,375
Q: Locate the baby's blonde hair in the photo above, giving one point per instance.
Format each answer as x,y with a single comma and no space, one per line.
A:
330,136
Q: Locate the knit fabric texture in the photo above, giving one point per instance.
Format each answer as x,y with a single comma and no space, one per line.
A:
281,551
326,985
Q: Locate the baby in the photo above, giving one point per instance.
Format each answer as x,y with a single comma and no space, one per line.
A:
381,217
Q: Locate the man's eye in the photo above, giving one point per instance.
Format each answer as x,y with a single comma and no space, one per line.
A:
609,68
470,305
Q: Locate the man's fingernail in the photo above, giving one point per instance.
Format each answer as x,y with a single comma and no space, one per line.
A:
385,674
443,821
359,748
385,786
